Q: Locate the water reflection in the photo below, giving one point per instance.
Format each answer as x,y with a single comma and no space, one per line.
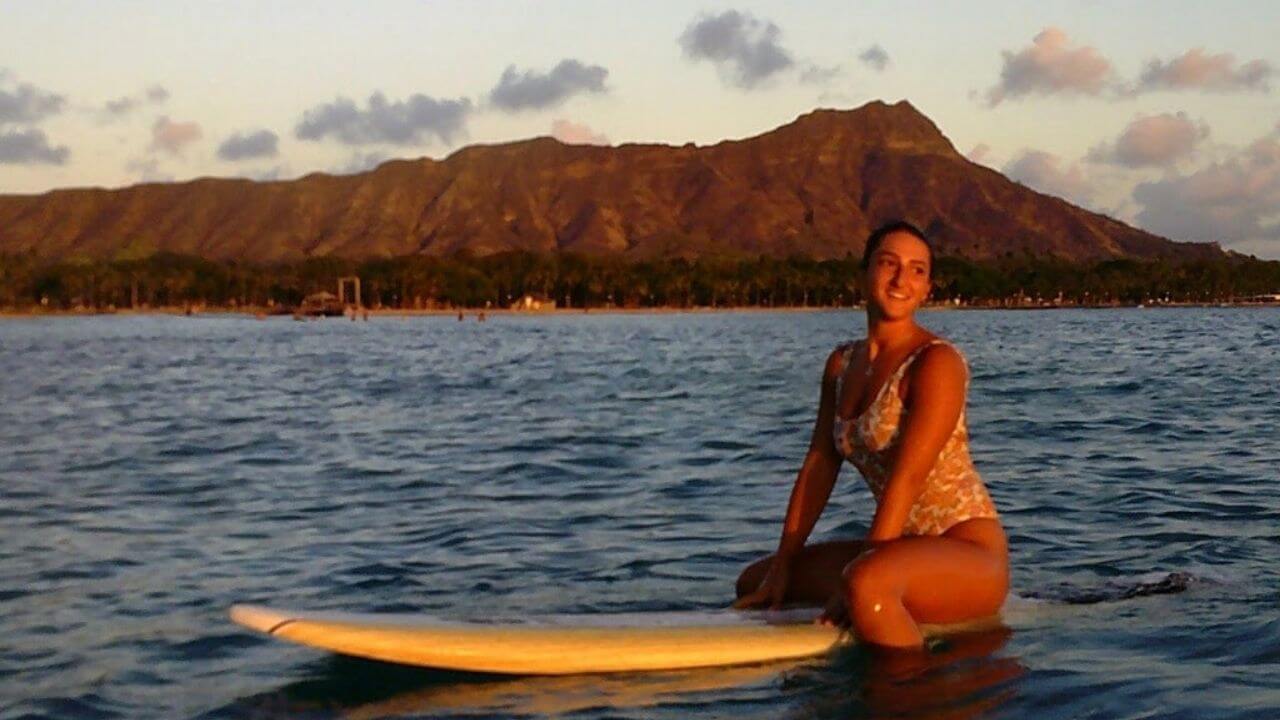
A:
961,677
360,689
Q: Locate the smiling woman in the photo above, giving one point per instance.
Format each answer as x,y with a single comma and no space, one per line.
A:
893,405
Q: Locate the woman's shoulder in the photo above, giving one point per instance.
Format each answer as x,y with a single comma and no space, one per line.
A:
847,347
942,345
938,357
838,359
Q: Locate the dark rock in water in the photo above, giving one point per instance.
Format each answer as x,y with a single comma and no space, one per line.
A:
1170,584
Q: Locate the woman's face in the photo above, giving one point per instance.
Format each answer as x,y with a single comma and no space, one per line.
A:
898,275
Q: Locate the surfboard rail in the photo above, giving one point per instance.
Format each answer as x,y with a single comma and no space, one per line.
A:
552,647
568,644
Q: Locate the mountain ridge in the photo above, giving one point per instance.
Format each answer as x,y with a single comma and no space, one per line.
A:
815,186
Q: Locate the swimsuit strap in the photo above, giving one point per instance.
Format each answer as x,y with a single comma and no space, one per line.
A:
846,353
897,379
902,369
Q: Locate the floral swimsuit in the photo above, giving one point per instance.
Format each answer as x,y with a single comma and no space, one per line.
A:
953,491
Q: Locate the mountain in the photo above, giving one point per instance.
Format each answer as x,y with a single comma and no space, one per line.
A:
815,187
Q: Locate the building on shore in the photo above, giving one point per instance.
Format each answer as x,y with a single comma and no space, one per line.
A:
320,304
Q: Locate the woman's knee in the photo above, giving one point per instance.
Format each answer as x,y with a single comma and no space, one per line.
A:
752,575
869,585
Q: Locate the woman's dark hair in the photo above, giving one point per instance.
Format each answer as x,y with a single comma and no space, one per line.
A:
879,234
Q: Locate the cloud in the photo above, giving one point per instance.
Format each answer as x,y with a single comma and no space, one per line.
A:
819,74
119,106
147,170
1046,173
1051,66
360,162
125,105
875,57
532,90
27,103
746,51
402,122
576,134
1236,201
1197,70
1153,141
980,152
30,147
836,98
172,137
268,174
242,146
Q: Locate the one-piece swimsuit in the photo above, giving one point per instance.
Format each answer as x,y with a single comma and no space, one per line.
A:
953,491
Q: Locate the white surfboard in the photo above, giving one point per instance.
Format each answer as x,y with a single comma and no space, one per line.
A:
560,645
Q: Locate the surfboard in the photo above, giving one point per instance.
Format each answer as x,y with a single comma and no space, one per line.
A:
558,645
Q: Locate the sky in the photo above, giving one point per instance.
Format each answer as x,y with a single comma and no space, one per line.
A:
1163,114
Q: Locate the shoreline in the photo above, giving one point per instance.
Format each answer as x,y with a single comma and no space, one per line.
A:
471,313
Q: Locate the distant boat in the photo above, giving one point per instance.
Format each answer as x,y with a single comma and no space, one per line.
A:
321,304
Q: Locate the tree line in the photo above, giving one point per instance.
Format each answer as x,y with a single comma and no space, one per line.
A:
582,281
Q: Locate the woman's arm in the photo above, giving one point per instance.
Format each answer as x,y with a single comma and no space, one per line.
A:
934,401
808,497
819,470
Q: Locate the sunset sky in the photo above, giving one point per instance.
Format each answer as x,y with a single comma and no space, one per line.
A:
1166,115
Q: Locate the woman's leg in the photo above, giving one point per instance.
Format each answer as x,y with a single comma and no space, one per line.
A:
815,571
959,576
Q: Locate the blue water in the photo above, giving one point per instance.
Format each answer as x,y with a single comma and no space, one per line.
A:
154,470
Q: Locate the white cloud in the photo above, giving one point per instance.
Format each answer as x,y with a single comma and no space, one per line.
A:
576,134
1235,201
360,162
1048,174
979,153
1197,70
147,170
172,137
1153,141
1051,66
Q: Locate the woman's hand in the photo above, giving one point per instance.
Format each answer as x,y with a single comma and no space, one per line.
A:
772,589
836,613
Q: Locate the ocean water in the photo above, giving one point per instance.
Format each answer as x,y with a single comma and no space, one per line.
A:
155,470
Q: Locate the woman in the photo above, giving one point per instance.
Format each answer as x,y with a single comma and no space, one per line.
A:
892,404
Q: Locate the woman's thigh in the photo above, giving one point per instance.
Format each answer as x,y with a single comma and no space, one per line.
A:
938,579
815,571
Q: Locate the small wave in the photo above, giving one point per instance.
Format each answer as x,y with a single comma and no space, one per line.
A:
721,444
627,396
